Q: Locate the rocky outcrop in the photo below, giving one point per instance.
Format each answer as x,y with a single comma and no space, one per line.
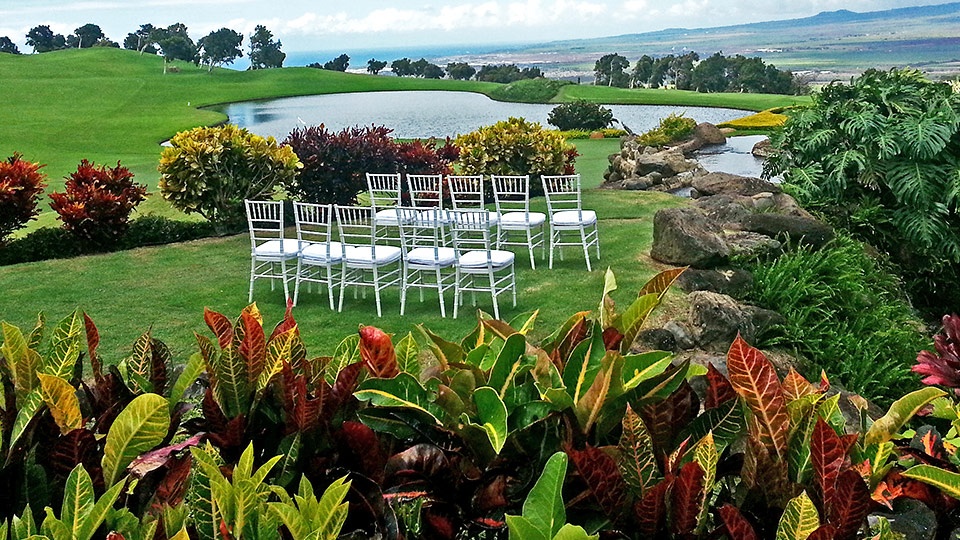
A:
716,183
684,236
734,282
796,229
717,319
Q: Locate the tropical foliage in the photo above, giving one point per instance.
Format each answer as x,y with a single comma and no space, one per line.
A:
21,185
580,114
516,147
211,170
97,202
879,157
671,128
335,164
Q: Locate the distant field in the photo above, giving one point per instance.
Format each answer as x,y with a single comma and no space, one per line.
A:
107,105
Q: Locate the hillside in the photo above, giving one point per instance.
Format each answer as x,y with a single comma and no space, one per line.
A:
829,45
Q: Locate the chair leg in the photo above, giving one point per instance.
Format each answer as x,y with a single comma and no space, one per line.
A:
551,246
330,285
253,271
596,238
586,248
533,263
296,281
443,309
493,293
513,285
457,292
343,281
376,290
403,289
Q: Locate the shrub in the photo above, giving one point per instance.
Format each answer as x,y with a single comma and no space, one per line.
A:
335,164
878,157
97,202
671,129
761,120
537,90
211,170
515,146
21,185
580,114
845,313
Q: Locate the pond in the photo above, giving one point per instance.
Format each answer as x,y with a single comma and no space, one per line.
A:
422,114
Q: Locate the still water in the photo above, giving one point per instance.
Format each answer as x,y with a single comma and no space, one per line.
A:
413,114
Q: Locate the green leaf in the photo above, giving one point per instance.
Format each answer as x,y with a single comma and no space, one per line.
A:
407,355
98,513
946,481
191,371
332,510
68,339
640,367
231,387
509,364
142,425
23,525
205,510
446,352
584,364
493,416
543,509
346,353
139,364
29,407
521,528
574,532
23,361
78,498
799,520
637,461
61,399
726,422
587,409
608,311
401,391
902,410
633,318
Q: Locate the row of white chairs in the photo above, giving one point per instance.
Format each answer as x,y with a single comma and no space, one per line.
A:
465,260
569,223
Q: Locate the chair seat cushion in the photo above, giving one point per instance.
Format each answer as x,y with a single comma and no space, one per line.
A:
522,219
478,259
317,252
572,217
271,248
379,255
426,256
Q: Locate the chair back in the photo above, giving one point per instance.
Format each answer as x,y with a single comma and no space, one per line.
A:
471,231
426,190
562,192
511,193
419,229
384,190
314,223
265,222
356,227
466,192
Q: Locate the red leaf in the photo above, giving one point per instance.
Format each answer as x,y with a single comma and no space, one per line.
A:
686,499
754,378
795,386
577,333
601,474
651,510
302,409
173,487
155,459
365,446
665,419
114,535
827,454
611,339
377,352
220,326
286,324
253,346
160,358
93,341
738,528
719,390
76,447
851,506
345,384
823,532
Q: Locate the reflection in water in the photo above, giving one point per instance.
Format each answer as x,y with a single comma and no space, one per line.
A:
735,157
412,114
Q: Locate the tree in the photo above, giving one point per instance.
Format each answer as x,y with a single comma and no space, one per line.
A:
175,44
85,37
710,75
682,70
401,67
264,50
220,47
142,40
374,66
8,46
42,39
609,71
580,114
460,71
642,71
433,71
339,63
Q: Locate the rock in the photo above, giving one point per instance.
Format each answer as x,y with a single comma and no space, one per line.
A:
669,162
724,208
596,135
734,282
911,518
682,335
684,236
634,184
655,339
708,134
690,146
655,177
787,205
762,149
716,320
763,201
719,182
751,245
800,230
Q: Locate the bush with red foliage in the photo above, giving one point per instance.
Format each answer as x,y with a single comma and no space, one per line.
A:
97,202
21,185
335,164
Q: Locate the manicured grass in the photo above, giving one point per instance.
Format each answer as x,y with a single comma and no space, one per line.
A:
660,96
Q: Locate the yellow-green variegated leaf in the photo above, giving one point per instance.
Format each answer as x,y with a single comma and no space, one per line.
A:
947,481
69,337
139,427
29,407
23,361
402,391
61,398
139,364
637,461
492,414
706,454
633,318
587,409
78,499
528,323
408,353
511,360
346,353
231,388
280,349
608,309
332,510
902,410
191,371
800,518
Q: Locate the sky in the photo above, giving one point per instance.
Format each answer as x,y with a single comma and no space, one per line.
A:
313,25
